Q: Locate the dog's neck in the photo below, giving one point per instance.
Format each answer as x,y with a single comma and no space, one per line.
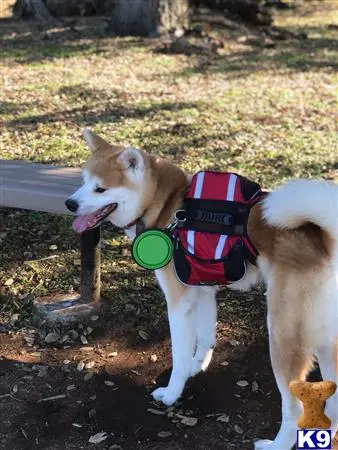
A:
166,185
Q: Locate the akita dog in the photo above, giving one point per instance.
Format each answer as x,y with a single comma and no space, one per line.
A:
295,230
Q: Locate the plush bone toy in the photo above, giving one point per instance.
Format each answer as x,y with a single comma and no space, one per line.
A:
313,396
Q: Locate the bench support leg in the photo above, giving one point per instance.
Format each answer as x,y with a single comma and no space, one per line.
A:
67,309
90,266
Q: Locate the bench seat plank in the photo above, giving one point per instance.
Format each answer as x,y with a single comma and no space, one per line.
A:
38,187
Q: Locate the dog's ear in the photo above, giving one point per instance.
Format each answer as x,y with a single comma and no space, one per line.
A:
132,161
94,141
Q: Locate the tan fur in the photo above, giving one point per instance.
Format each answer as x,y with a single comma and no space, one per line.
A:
104,164
302,248
175,289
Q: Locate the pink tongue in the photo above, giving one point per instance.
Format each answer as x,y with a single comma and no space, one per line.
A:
81,223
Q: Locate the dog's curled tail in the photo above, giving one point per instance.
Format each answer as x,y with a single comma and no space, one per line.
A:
301,201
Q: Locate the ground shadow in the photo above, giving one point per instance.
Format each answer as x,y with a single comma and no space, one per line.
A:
108,113
30,42
316,53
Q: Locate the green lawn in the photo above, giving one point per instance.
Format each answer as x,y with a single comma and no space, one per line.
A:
266,112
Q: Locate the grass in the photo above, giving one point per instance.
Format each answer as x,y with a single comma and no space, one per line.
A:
268,113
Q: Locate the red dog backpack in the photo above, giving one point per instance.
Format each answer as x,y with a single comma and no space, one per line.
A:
211,241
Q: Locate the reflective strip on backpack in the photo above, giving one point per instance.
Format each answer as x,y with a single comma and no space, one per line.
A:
197,194
230,197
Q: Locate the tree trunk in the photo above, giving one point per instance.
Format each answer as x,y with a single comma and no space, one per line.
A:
33,8
149,17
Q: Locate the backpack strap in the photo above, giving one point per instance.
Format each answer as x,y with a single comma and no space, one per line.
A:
214,216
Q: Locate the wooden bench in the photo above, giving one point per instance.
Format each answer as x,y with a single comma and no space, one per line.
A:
42,187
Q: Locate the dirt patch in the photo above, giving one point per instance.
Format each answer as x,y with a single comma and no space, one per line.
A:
48,402
116,400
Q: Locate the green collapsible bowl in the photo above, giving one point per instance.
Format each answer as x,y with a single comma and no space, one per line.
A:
152,249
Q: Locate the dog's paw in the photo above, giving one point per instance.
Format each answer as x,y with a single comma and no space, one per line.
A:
165,395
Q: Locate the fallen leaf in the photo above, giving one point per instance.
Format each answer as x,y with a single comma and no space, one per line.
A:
90,365
153,358
71,387
51,338
98,437
109,383
143,335
94,317
53,247
9,282
83,339
77,425
254,386
112,354
242,383
223,418
189,421
80,366
157,412
164,434
224,363
238,429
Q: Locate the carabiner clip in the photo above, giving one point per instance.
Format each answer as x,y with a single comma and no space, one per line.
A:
177,219
172,225
180,215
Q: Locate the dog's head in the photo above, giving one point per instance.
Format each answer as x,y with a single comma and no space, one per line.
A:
113,184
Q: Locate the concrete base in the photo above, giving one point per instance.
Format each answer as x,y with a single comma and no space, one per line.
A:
64,309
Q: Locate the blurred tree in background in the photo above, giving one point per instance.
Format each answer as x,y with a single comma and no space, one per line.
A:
148,17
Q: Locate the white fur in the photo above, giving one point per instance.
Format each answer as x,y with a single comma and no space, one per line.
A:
89,201
192,321
300,201
251,278
132,161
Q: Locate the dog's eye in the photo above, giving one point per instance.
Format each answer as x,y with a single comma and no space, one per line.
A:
99,190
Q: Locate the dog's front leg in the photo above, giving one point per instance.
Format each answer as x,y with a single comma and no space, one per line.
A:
181,314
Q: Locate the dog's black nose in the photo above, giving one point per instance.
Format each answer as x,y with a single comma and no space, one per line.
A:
72,205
